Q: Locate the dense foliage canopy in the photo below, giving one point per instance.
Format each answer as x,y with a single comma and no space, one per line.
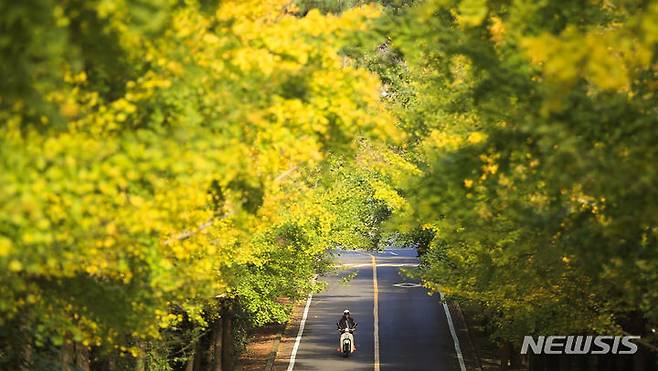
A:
156,156
535,123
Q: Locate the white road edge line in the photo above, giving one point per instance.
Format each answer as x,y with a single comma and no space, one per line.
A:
375,311
298,340
458,350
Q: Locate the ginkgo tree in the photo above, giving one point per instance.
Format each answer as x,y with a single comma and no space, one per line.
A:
536,126
157,155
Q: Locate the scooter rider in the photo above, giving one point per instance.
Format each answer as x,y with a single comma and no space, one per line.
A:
346,321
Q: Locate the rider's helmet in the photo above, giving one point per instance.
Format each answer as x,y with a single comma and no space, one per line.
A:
346,312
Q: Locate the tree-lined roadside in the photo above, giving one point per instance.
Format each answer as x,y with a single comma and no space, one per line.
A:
171,170
534,126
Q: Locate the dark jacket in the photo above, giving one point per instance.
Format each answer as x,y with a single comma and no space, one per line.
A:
346,321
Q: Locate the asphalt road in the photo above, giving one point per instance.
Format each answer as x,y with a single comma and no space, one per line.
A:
413,329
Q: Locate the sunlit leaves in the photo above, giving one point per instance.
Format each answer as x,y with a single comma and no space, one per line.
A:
537,121
195,173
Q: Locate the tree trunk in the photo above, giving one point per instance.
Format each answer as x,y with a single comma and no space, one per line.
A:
504,352
515,356
190,362
194,362
215,353
227,339
198,356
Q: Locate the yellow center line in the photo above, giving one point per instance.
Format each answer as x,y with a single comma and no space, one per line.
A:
375,310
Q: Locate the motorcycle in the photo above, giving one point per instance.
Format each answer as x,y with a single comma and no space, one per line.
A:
347,340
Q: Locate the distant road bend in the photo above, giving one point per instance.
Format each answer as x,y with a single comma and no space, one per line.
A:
400,326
